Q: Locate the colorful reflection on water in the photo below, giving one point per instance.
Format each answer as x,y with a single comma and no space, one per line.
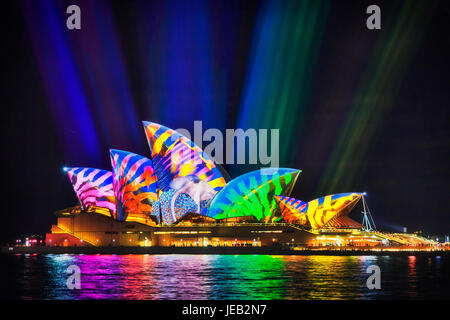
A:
224,277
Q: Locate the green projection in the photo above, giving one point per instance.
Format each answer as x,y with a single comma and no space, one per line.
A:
253,194
398,41
254,277
281,65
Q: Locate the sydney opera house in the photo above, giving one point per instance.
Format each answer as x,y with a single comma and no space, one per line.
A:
179,197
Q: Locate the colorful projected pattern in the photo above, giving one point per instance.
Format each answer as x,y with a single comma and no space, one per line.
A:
291,210
343,222
253,194
322,210
93,187
134,186
175,155
183,205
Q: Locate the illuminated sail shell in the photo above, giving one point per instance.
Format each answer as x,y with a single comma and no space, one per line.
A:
134,186
254,194
291,210
175,155
326,209
343,222
93,187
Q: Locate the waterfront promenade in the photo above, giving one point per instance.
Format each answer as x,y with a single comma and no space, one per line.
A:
389,251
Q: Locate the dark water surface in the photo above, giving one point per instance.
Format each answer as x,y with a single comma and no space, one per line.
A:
26,276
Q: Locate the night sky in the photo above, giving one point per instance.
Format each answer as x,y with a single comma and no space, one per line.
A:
358,110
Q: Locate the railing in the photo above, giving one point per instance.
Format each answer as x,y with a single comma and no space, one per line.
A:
390,238
74,235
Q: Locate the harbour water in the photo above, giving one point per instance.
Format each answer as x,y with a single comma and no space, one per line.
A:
43,276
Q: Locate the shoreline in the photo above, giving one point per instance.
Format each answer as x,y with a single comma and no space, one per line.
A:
214,251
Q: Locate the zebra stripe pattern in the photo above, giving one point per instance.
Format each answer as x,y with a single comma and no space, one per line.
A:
93,187
175,155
